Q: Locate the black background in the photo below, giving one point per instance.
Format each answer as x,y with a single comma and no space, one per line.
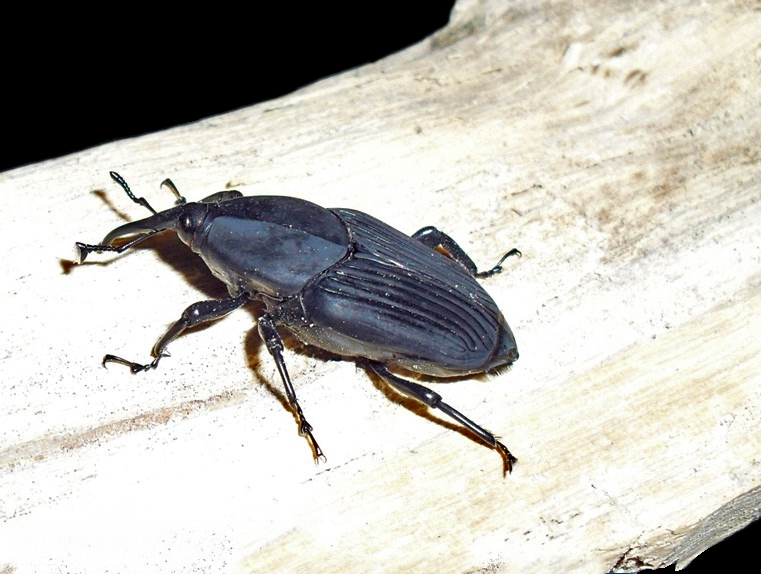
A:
75,80
78,80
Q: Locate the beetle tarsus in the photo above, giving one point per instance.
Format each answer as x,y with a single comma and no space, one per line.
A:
508,460
498,267
305,430
134,367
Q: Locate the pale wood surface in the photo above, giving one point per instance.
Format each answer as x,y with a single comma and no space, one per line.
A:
615,143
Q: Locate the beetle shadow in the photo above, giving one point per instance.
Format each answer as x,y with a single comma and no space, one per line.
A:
102,195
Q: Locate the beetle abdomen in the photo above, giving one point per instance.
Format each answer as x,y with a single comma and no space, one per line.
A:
398,301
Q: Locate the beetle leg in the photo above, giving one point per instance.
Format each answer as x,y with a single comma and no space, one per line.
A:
434,400
197,313
438,240
270,336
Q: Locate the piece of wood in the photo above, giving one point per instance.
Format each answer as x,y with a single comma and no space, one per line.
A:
616,144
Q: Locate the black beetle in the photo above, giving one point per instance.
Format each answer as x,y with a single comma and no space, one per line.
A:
340,280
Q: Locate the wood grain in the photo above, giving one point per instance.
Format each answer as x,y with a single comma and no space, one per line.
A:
615,143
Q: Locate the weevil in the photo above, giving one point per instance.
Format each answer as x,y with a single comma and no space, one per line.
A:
340,280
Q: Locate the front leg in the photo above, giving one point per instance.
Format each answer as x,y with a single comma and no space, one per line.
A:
197,313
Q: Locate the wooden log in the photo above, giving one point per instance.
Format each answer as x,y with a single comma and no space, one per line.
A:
616,144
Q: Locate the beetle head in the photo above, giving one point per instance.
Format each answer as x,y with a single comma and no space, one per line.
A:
185,219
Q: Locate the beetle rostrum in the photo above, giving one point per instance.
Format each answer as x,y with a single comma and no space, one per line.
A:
342,281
